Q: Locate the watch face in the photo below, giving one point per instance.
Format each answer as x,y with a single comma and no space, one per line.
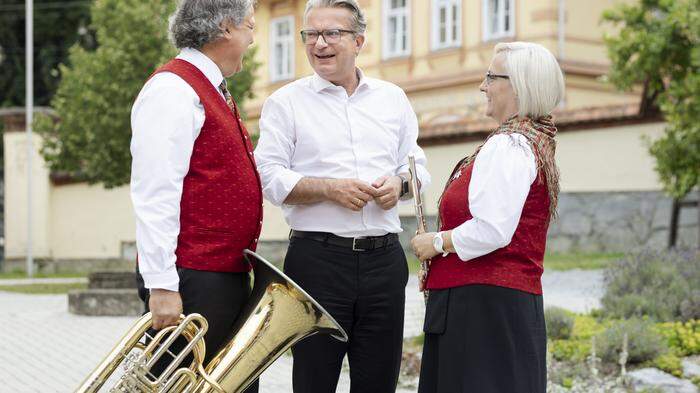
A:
404,187
437,242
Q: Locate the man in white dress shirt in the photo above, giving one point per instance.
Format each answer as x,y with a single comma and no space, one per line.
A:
333,153
196,192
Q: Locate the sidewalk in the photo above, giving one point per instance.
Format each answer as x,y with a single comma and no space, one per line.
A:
43,348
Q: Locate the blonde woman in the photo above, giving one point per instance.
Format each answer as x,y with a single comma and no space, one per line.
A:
484,327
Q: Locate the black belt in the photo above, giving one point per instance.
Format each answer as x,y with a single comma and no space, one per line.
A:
367,243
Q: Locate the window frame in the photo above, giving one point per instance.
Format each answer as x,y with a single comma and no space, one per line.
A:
501,32
287,42
450,42
387,14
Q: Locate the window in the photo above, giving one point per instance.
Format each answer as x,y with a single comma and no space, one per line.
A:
397,25
447,23
282,48
498,19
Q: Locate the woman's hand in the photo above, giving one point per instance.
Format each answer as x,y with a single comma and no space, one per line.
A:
422,246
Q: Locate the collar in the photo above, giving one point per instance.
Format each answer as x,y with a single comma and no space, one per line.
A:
204,64
319,84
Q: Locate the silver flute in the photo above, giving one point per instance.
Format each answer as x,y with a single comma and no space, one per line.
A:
420,219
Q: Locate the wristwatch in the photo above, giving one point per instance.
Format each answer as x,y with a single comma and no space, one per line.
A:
438,244
404,186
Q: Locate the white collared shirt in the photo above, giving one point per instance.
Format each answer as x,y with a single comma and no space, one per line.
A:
311,128
503,172
165,120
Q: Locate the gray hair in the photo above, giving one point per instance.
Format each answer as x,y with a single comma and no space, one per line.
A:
535,76
198,22
357,21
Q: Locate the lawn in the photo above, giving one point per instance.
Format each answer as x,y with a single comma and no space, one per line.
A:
584,261
557,261
43,289
21,274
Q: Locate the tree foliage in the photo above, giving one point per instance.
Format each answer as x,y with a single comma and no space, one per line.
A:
51,46
90,138
658,47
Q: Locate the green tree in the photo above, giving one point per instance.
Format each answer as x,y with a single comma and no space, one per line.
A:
51,45
90,137
658,47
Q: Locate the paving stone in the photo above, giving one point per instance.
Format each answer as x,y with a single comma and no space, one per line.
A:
44,348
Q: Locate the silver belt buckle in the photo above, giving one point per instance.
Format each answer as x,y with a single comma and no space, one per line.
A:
354,239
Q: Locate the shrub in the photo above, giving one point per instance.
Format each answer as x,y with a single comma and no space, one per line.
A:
643,342
684,338
669,362
586,327
575,350
559,322
660,285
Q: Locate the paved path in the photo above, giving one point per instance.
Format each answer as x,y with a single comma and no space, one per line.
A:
43,348
575,290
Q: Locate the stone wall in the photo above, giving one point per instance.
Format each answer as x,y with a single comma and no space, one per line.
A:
588,222
619,222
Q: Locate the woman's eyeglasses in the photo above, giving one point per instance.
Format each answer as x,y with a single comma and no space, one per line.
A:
490,77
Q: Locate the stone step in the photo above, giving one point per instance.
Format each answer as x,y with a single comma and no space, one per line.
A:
112,280
105,302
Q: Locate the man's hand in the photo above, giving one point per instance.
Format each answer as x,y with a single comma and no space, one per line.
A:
350,193
166,307
388,191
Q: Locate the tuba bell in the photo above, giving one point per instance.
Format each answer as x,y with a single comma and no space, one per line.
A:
278,314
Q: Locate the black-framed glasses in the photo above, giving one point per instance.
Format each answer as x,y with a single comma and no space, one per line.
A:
490,77
330,36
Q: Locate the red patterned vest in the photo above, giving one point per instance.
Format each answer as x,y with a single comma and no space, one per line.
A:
221,205
519,265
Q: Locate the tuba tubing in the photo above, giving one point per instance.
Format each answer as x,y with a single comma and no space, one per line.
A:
278,314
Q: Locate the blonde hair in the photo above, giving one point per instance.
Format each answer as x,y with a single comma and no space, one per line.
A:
535,76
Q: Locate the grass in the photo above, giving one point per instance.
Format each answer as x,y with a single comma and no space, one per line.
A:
21,274
42,289
413,264
556,261
583,261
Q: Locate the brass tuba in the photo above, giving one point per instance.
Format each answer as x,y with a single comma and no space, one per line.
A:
278,314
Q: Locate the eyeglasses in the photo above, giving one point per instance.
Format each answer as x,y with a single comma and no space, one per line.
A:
490,77
331,36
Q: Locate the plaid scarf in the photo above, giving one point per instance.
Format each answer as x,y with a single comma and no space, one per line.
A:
540,134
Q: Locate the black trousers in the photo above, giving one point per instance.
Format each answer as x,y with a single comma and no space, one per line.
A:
483,339
365,292
218,297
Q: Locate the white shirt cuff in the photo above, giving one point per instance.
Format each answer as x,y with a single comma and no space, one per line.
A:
282,185
473,239
162,280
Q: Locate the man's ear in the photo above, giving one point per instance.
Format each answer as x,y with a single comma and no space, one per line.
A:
226,29
359,43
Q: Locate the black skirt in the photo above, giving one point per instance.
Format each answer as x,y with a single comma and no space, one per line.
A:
484,339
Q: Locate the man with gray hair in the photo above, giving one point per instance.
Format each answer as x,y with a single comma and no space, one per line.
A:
194,185
333,152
